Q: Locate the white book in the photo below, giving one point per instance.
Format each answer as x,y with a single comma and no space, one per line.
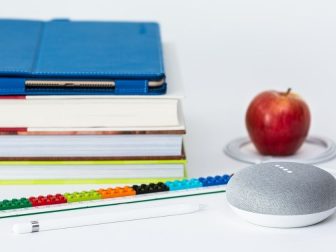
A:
54,127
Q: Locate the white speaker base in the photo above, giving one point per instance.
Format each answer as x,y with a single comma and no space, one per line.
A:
283,221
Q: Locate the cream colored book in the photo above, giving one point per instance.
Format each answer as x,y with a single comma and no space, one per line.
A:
51,113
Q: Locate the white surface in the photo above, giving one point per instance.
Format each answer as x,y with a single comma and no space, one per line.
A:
283,221
224,52
214,228
96,219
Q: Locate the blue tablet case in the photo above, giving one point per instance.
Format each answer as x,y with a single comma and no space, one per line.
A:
128,53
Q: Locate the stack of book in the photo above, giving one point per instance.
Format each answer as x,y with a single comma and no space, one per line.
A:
85,109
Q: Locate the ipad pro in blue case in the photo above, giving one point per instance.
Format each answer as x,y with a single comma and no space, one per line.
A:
63,57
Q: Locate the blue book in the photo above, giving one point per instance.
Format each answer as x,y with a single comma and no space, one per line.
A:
62,57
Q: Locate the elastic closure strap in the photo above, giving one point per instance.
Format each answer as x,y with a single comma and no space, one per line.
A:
131,87
12,86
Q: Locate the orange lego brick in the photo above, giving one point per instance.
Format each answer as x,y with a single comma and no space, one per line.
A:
116,192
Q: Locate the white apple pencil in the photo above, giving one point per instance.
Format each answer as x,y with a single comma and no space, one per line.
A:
88,220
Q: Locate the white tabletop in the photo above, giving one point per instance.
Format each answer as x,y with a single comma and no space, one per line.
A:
223,52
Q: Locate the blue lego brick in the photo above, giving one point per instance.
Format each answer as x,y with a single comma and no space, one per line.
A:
213,181
183,184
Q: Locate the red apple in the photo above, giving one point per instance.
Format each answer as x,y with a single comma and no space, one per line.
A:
277,122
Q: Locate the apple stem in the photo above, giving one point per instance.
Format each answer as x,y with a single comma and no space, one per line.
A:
288,91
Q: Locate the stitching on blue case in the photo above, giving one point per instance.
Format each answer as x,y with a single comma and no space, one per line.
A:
102,73
79,73
8,70
133,89
10,89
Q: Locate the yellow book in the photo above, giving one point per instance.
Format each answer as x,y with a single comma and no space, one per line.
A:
91,172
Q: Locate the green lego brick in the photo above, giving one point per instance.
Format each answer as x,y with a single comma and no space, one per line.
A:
82,196
14,204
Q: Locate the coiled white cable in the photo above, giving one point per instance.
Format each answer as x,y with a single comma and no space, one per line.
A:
234,150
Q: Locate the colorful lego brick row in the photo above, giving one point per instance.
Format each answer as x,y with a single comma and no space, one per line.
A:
14,204
113,192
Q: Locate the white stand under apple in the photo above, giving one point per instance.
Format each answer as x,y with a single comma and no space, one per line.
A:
315,150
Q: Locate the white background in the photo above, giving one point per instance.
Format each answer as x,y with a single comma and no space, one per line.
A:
224,53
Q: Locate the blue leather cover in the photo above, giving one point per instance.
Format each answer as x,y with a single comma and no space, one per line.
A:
128,52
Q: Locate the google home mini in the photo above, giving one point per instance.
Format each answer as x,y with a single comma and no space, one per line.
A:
282,194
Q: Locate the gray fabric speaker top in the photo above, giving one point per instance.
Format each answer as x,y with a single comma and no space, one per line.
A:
282,188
